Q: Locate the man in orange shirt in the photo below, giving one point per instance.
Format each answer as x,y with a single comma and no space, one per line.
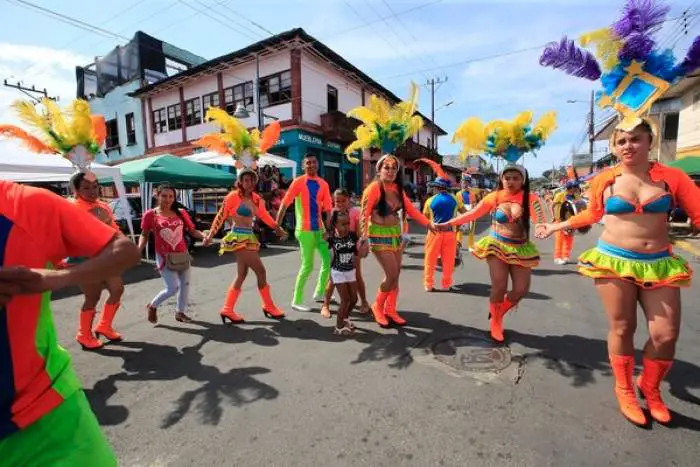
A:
86,191
45,418
312,197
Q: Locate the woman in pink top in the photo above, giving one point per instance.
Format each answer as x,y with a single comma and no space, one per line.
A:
168,223
342,202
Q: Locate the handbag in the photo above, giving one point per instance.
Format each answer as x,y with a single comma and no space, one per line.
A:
178,261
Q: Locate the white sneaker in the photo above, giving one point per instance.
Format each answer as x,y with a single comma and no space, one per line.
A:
319,298
299,307
566,260
559,261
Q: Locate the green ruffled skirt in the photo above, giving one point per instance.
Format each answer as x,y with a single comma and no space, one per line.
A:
646,270
523,254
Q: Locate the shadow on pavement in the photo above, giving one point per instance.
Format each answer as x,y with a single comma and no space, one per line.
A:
484,290
579,358
156,362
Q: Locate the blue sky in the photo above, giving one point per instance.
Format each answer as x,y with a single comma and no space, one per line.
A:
436,38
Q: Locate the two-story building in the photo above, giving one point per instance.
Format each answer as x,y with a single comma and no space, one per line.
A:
290,77
108,82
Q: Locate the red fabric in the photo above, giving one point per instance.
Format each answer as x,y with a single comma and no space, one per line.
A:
43,227
168,231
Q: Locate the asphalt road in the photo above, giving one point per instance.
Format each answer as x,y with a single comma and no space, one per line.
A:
290,393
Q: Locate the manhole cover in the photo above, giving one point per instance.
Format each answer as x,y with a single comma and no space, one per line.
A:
473,354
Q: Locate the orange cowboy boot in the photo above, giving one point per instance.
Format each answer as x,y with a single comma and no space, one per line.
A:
496,314
623,370
508,305
378,308
104,326
227,312
269,307
648,382
390,308
85,336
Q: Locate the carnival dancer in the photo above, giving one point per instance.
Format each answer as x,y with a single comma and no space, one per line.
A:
470,196
243,206
386,127
633,261
46,418
507,249
343,243
342,203
312,197
86,190
440,208
564,240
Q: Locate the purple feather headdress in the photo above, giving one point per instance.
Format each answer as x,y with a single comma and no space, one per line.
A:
565,55
640,17
692,59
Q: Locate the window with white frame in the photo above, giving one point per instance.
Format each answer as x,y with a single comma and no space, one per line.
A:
193,112
160,121
174,117
240,94
276,89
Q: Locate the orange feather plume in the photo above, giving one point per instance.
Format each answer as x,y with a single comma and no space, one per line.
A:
31,142
213,142
270,136
435,166
99,129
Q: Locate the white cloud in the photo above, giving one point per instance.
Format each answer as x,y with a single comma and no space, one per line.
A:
43,67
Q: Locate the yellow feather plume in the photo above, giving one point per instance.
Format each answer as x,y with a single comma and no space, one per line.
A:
607,46
365,115
381,109
80,129
546,125
231,126
29,115
472,135
57,120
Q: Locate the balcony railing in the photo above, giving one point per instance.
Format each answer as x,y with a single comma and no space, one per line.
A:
410,150
339,127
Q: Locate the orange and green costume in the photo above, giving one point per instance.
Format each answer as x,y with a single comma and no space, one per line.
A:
45,418
385,239
86,337
311,197
243,239
563,241
513,251
439,209
645,269
520,252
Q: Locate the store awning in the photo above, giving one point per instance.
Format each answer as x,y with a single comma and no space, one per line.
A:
689,164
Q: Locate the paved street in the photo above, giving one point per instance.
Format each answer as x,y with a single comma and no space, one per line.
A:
291,393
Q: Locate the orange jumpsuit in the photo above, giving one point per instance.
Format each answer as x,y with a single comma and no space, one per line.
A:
440,208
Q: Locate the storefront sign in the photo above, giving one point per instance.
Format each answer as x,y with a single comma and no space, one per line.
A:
310,139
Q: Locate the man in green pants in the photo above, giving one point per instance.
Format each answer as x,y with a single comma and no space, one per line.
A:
45,418
312,197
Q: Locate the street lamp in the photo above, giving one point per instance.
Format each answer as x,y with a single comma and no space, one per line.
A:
445,105
242,112
591,124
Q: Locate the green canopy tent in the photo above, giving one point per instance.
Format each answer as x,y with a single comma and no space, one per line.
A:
182,174
178,172
688,164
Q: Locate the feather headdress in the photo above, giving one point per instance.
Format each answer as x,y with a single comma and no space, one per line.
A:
235,140
384,126
634,72
76,133
500,138
441,178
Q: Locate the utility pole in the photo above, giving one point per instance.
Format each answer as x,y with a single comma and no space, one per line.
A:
31,92
591,126
432,83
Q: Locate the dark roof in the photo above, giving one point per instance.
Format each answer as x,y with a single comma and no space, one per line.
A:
276,40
